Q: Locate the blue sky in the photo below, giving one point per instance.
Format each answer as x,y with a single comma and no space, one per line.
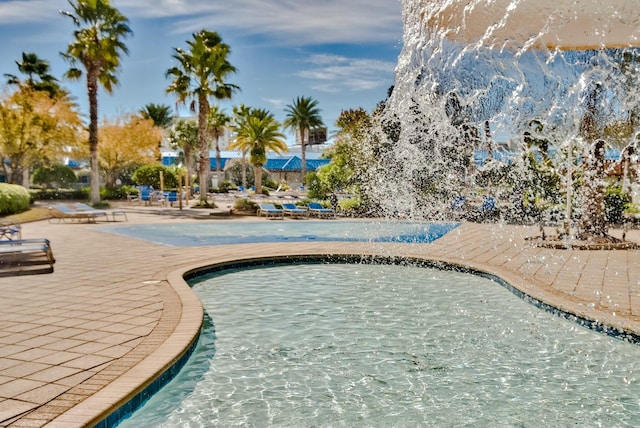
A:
340,52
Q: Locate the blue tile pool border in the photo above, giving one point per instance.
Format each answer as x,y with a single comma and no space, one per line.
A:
117,416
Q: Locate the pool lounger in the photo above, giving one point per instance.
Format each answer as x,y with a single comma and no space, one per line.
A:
294,211
316,209
26,256
270,210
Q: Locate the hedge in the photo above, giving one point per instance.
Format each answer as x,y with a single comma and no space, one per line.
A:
13,199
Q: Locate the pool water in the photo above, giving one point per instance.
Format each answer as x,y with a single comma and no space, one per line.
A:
220,233
348,345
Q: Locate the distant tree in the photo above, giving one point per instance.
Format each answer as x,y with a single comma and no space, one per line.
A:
240,115
257,135
348,158
149,175
37,72
184,137
35,129
303,115
201,73
161,116
97,47
126,142
218,121
57,174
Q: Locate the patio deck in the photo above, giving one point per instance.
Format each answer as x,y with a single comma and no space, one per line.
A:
78,343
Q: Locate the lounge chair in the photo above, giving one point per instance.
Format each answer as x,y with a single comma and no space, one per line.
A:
318,210
62,213
10,230
487,210
79,206
270,210
294,211
458,207
171,197
26,256
458,203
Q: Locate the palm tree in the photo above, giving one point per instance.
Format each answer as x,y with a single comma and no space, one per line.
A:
161,116
37,72
218,121
258,134
97,46
184,136
201,73
302,116
240,115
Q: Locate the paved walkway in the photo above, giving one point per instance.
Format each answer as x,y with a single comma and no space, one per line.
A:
76,344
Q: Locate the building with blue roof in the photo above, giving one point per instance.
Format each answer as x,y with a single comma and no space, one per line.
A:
285,167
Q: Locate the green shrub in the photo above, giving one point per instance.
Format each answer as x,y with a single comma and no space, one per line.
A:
225,186
57,175
615,203
116,193
60,194
13,199
245,205
315,188
350,205
149,175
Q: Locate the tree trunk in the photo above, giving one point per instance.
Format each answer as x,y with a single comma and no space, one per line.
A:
92,90
218,163
487,135
303,154
257,174
244,171
592,222
203,147
25,178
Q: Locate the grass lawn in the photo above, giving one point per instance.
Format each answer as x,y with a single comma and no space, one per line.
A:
32,214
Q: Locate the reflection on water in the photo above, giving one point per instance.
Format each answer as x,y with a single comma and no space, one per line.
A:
370,345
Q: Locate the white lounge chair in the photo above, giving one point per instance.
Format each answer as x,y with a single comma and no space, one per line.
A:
79,206
62,213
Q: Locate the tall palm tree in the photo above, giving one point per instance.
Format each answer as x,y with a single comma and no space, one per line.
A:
97,46
201,73
162,118
218,121
258,134
302,116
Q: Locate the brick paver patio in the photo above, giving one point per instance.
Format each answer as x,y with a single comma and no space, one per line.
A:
78,343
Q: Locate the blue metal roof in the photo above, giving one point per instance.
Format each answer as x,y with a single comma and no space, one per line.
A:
276,163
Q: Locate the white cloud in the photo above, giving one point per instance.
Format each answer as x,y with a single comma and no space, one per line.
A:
276,102
337,74
293,22
26,11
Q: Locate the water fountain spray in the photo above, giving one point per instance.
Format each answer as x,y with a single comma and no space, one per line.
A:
512,99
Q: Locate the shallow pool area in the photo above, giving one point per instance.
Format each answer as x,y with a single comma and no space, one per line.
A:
385,345
223,233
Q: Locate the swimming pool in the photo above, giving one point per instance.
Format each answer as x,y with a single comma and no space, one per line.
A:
221,233
383,345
